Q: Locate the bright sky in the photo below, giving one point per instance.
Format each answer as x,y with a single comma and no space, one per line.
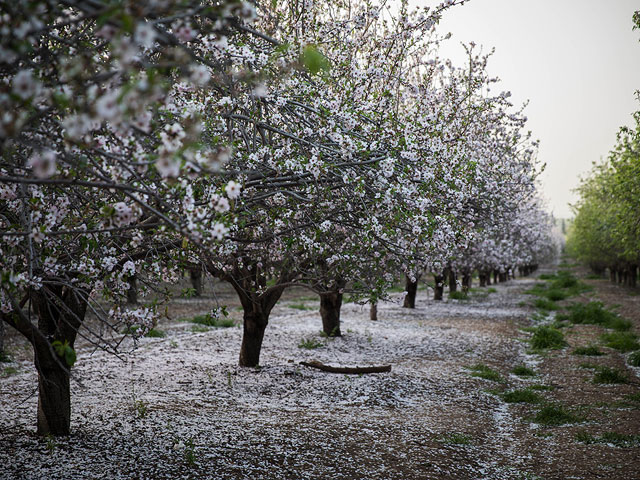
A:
576,61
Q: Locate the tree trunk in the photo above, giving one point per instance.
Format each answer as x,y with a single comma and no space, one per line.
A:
495,277
2,353
255,323
633,276
502,276
196,280
410,297
612,275
488,276
438,289
466,281
330,304
373,313
453,284
483,279
54,394
132,293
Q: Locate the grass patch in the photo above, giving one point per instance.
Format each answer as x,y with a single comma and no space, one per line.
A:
5,358
545,337
492,290
545,304
156,333
555,414
609,376
458,295
455,439
634,359
523,371
211,321
555,294
9,371
542,388
199,329
595,313
310,343
300,306
521,396
609,438
589,351
621,341
482,371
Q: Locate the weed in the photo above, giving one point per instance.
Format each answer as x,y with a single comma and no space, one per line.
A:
590,366
609,376
545,304
523,371
155,333
555,414
591,351
190,452
491,290
521,396
141,408
545,336
633,397
482,371
173,344
212,320
4,357
555,294
459,295
51,443
310,343
10,371
455,439
594,313
300,306
634,359
609,438
188,293
621,341
199,329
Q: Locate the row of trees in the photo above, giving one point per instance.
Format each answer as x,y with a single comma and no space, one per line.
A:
606,231
320,144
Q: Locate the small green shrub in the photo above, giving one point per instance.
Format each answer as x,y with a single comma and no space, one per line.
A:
523,371
155,333
591,351
555,294
310,343
209,320
545,304
545,337
594,313
634,359
458,295
482,371
521,396
555,414
621,341
609,438
609,376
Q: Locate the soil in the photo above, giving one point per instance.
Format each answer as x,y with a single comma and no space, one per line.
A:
180,407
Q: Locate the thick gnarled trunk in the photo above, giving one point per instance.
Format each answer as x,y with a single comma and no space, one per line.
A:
255,323
330,304
412,290
54,393
195,275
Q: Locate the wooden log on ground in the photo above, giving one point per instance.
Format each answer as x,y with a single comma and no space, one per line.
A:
347,370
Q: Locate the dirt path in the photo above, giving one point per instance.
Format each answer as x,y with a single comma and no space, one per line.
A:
180,408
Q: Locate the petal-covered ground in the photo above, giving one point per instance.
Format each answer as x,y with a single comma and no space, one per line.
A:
179,407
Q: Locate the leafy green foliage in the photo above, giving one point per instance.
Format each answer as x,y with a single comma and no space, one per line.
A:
590,350
555,414
594,313
314,61
546,336
609,375
65,351
621,341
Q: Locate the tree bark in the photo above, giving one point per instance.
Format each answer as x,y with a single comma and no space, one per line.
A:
54,394
2,352
132,293
438,289
195,274
612,275
483,279
373,313
330,304
466,281
502,276
453,284
412,290
255,323
495,277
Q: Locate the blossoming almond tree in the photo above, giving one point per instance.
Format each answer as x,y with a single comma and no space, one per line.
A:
98,174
